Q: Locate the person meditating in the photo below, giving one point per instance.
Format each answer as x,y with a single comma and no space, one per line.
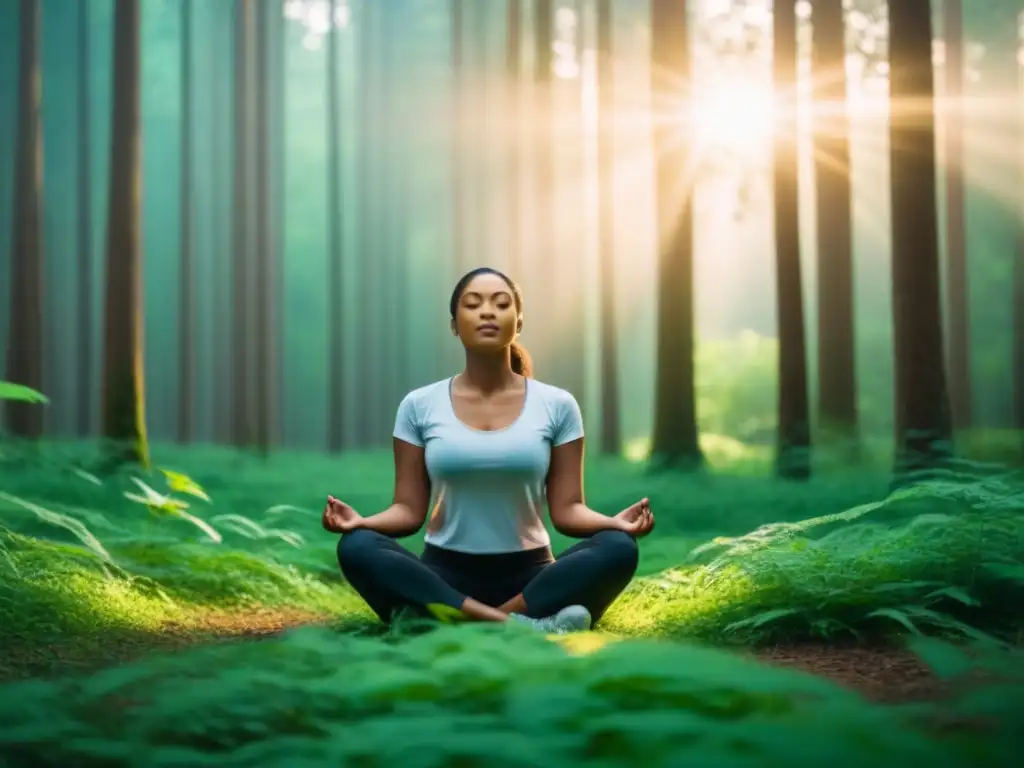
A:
482,451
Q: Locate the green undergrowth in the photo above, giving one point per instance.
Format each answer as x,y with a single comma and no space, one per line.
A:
482,696
734,558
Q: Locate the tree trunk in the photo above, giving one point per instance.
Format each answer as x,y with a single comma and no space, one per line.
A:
242,371
923,429
335,251
186,307
793,457
567,312
675,440
266,157
25,343
223,331
1017,294
124,411
539,278
837,373
370,202
611,437
958,317
458,19
514,121
84,386
395,220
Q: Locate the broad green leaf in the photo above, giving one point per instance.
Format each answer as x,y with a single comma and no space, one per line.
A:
11,391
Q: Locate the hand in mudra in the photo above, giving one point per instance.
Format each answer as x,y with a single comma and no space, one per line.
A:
637,519
339,517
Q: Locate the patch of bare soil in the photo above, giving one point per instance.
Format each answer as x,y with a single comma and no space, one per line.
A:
82,655
883,674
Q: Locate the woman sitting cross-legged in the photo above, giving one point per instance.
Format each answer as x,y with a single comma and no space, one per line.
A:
483,450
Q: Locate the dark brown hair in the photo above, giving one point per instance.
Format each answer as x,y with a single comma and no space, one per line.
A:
521,362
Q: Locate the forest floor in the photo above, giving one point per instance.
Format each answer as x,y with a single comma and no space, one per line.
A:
169,577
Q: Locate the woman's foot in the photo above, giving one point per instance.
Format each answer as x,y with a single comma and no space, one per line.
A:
574,618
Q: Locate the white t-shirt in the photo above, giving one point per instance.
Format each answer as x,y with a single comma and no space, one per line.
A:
488,489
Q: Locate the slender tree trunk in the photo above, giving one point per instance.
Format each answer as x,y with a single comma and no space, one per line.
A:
1017,296
568,311
368,414
262,250
335,252
958,321
923,429
186,308
458,19
397,157
84,386
243,431
25,344
124,411
540,288
793,458
611,436
675,441
221,108
266,157
514,121
837,375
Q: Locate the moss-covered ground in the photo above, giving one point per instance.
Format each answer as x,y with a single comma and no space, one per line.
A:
116,599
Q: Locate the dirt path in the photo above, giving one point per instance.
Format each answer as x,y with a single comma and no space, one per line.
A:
883,674
19,662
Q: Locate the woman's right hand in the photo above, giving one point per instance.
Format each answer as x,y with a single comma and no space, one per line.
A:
339,517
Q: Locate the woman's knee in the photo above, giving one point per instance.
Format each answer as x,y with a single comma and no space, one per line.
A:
620,549
356,549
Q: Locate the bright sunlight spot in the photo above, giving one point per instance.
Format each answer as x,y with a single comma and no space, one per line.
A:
736,116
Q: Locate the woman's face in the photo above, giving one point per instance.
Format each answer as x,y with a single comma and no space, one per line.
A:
486,316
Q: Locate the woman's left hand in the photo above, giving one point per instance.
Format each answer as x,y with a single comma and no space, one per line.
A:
637,519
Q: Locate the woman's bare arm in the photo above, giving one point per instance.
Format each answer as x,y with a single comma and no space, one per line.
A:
408,507
569,513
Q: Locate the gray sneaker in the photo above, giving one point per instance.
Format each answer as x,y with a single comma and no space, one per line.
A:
574,618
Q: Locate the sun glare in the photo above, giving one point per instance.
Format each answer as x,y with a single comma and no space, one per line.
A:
736,116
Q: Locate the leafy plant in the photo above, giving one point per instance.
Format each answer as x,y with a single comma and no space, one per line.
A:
11,391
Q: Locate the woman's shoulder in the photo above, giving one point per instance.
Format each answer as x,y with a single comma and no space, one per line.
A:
426,393
551,393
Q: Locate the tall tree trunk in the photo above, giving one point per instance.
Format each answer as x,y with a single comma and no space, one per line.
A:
1017,293
514,140
396,158
675,440
261,223
266,164
368,415
458,53
124,411
568,313
186,308
84,386
223,330
25,344
837,376
540,294
243,431
923,429
611,435
335,250
958,320
793,459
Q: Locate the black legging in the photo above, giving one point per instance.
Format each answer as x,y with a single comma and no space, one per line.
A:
387,576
